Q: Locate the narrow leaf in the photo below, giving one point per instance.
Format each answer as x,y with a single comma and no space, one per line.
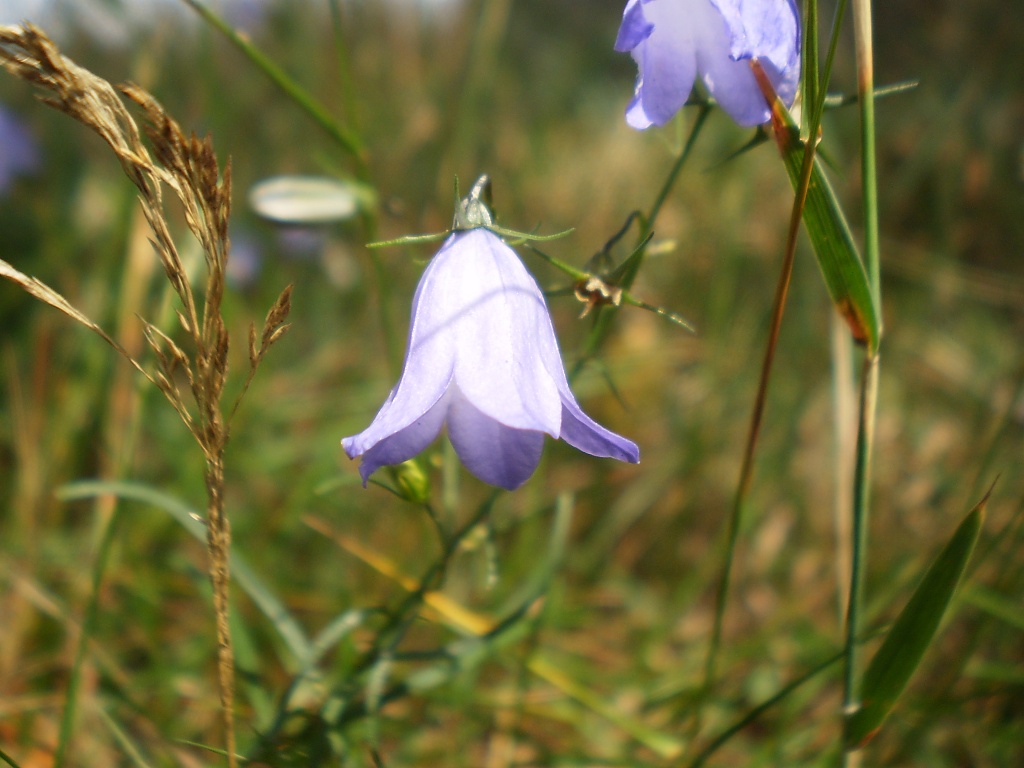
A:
1006,609
347,139
838,258
242,574
911,634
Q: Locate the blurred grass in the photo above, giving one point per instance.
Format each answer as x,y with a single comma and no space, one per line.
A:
629,613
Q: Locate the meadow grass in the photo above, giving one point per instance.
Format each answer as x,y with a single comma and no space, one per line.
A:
566,623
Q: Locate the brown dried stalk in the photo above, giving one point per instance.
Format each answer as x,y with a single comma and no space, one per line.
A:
188,167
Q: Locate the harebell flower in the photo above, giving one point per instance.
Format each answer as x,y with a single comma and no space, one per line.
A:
674,41
482,358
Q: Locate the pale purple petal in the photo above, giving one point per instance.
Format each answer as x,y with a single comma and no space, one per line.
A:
429,360
400,446
731,83
494,453
715,39
667,64
484,359
768,30
635,27
583,433
497,317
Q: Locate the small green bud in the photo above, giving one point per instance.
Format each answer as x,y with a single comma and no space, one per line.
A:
413,483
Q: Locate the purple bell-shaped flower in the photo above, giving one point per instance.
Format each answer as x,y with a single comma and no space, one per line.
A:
482,359
674,41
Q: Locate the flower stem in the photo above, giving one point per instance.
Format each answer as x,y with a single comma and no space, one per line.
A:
677,166
869,376
756,419
603,322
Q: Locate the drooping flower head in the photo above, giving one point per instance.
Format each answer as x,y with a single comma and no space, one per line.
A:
482,359
674,41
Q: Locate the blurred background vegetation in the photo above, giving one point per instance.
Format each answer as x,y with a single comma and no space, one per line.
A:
531,93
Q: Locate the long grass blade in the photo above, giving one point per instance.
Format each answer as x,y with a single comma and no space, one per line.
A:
838,258
345,138
287,627
913,631
99,567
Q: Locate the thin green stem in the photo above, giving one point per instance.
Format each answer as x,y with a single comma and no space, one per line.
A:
869,379
346,139
67,722
345,80
677,167
859,537
810,79
753,714
826,73
404,616
602,321
757,416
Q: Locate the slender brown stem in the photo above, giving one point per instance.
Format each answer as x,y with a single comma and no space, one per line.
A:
218,539
756,419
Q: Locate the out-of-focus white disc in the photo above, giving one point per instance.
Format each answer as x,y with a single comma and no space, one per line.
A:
303,199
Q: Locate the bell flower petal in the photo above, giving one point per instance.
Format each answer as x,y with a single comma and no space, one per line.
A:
399,446
498,455
483,358
500,324
673,41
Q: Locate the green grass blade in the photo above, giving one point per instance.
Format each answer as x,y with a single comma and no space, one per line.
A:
345,138
1005,609
335,631
810,83
836,253
131,750
285,624
754,713
99,568
901,651
834,248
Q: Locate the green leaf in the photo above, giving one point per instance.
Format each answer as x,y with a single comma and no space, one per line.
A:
837,255
838,258
911,634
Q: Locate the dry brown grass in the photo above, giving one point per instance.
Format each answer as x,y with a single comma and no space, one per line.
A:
187,165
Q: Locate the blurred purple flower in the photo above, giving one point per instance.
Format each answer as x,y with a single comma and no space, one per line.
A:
19,153
674,41
301,243
246,261
483,358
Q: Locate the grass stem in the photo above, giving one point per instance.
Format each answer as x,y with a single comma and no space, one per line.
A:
869,378
754,430
67,722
